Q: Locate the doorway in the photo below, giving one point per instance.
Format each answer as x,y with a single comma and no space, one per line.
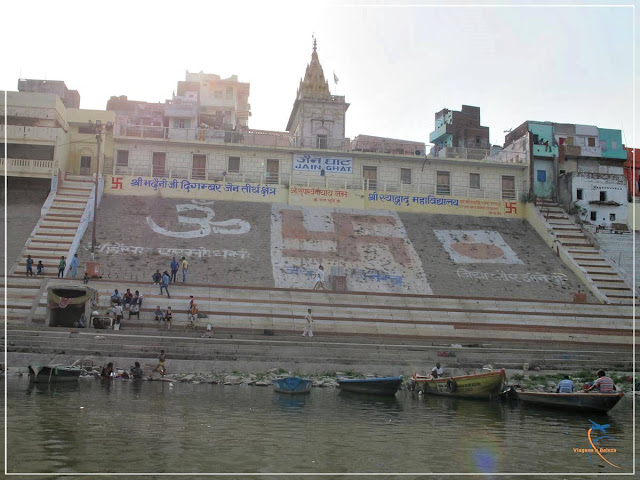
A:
85,165
159,159
273,170
370,175
199,167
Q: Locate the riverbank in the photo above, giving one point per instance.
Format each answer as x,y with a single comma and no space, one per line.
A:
542,382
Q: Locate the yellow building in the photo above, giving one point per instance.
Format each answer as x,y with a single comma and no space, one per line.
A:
83,144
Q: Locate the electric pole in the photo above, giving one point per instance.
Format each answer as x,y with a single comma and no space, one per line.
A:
98,129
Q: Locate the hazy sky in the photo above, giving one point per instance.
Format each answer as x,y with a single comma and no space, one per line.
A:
397,65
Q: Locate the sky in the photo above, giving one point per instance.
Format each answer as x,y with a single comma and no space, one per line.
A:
397,64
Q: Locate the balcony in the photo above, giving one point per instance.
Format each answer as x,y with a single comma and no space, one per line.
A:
41,134
19,167
545,151
438,132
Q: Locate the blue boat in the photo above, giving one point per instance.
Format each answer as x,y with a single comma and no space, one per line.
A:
373,386
292,385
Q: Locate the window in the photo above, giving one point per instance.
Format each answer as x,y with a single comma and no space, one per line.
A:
594,216
181,124
443,183
217,94
85,130
229,92
474,180
612,217
199,166
591,141
542,176
603,145
614,145
122,160
569,140
321,141
405,176
234,165
579,194
477,140
603,196
508,187
85,165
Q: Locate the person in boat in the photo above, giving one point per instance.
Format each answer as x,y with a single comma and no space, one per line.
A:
565,385
137,372
437,372
603,384
107,371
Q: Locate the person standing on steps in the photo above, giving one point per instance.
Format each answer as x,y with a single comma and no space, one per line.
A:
185,267
174,270
29,265
319,278
61,266
74,266
309,326
165,283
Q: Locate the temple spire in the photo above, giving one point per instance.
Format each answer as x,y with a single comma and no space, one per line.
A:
314,85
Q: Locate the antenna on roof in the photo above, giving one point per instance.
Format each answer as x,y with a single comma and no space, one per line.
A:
507,131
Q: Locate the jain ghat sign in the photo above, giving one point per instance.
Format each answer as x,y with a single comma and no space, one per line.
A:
322,165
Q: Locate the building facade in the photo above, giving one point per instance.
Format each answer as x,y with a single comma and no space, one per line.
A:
632,172
573,164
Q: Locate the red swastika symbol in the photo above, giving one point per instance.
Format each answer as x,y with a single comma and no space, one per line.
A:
347,237
510,207
116,183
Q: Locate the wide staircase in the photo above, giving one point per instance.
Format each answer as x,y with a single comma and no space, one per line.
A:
259,324
600,270
54,233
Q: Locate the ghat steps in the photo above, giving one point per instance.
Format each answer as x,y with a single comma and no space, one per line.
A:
250,311
607,279
54,233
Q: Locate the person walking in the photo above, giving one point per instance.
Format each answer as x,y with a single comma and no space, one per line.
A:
160,367
165,283
174,270
61,266
29,265
309,326
185,267
319,278
74,266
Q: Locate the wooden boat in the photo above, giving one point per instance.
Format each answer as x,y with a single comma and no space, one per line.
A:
292,385
581,401
482,385
53,373
373,386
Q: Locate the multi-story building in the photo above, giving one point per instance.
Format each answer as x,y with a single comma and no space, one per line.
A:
459,134
223,102
579,165
69,98
43,136
312,152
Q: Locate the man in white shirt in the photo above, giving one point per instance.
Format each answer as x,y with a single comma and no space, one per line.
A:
309,326
437,372
319,278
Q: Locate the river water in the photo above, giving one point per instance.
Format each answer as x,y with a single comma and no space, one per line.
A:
139,426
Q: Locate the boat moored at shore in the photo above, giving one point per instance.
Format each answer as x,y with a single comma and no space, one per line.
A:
581,401
485,386
372,386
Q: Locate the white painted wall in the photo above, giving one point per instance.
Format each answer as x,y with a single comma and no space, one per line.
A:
592,184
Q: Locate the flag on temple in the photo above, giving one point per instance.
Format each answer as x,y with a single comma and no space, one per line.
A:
335,78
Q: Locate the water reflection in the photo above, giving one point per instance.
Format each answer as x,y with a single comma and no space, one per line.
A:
163,427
